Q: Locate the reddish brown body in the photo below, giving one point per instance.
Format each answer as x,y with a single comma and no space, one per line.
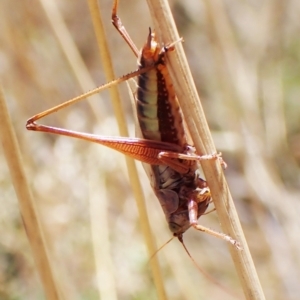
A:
181,192
164,147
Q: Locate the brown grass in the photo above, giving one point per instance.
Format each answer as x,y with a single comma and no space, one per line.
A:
244,59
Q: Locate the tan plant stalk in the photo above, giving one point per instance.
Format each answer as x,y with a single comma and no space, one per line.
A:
191,106
27,206
133,175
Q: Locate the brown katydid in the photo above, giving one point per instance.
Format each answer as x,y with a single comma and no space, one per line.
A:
164,145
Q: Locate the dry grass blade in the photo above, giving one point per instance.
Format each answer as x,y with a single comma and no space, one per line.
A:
191,107
26,203
71,52
133,175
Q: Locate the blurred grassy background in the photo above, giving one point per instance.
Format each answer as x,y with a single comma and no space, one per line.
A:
245,59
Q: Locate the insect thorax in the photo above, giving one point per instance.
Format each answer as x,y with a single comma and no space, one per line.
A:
174,191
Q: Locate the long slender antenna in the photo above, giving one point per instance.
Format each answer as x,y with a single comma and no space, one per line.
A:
207,275
165,244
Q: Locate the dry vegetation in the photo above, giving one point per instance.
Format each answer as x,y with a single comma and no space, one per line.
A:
245,61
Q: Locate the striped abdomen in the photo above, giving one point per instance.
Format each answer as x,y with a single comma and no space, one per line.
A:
158,111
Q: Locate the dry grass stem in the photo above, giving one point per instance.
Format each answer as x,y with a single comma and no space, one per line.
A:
132,171
191,106
72,54
27,205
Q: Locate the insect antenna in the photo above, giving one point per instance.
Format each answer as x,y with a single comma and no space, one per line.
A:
160,248
206,274
210,211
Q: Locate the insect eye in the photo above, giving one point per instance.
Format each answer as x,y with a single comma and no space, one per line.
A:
174,227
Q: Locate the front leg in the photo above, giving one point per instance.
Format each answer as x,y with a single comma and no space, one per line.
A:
193,215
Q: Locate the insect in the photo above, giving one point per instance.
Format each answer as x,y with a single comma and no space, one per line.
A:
164,145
